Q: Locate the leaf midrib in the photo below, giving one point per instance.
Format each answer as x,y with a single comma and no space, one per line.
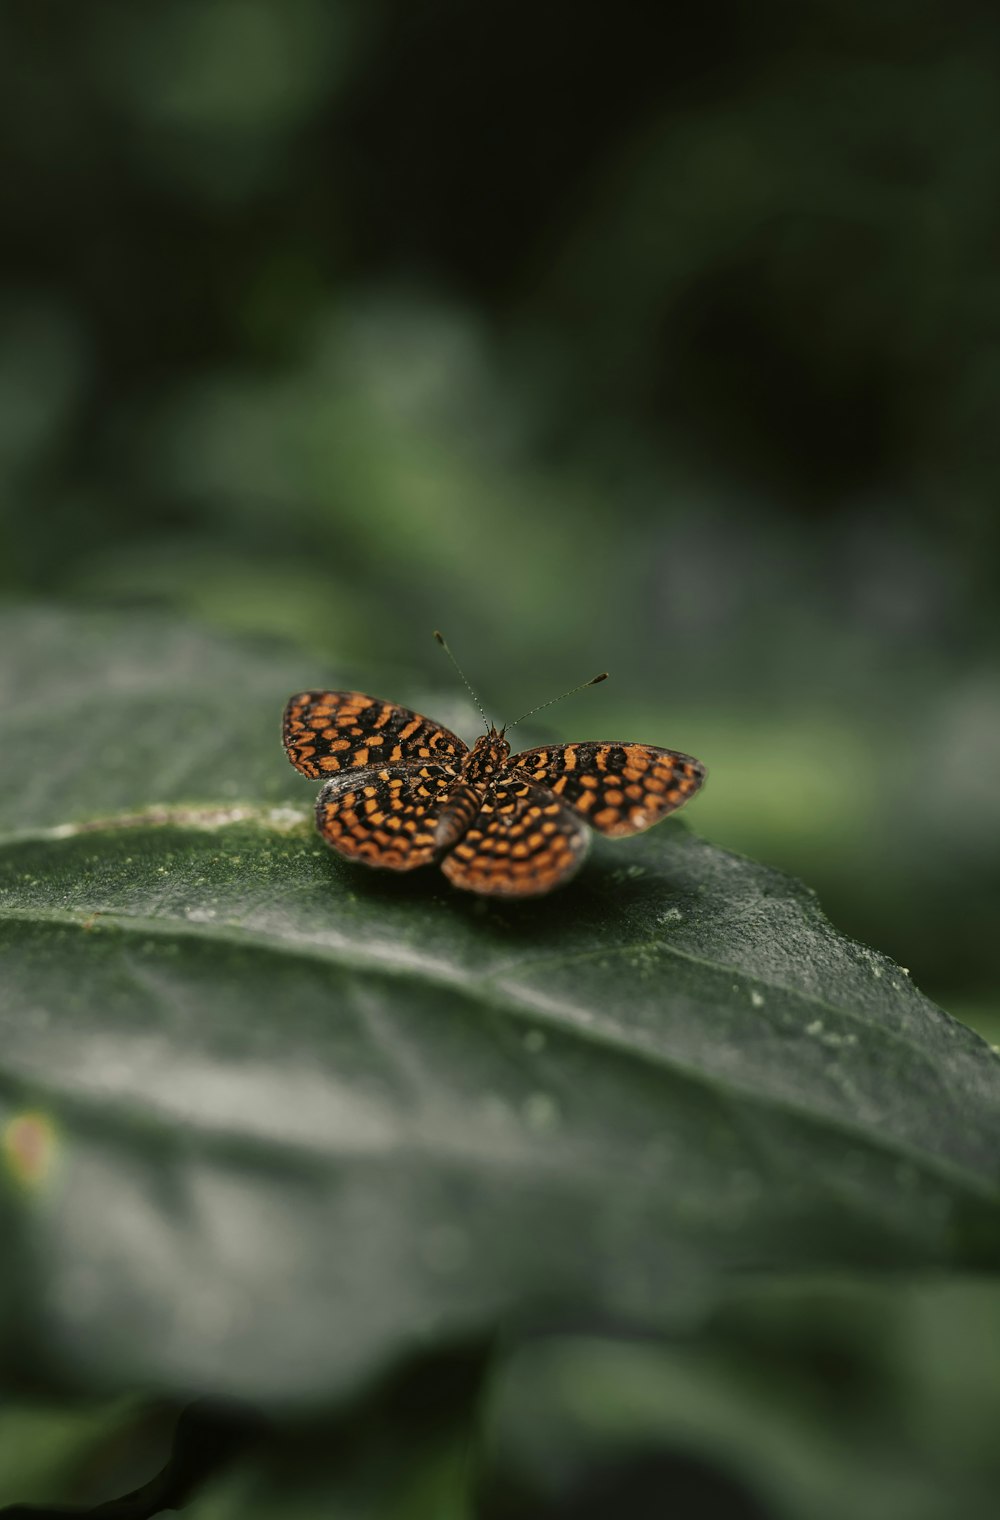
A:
504,1000
806,999
259,816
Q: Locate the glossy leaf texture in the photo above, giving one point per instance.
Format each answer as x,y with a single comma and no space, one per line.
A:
271,1122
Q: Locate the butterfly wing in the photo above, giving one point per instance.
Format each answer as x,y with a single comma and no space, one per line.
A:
617,788
385,817
523,842
326,732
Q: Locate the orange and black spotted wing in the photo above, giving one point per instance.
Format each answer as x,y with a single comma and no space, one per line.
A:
617,788
326,732
386,817
523,842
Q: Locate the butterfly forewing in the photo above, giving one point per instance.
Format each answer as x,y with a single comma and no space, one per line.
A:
327,732
617,788
386,817
523,842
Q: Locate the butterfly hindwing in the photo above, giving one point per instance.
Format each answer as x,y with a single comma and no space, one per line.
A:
328,732
617,788
523,842
385,817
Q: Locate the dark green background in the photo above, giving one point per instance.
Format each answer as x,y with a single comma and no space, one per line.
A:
662,339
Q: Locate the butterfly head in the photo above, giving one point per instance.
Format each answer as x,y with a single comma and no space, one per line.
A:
490,753
487,756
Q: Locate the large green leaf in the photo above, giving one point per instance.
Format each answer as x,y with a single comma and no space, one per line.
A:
819,1399
271,1121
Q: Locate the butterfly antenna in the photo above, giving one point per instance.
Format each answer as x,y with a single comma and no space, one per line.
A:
594,681
468,684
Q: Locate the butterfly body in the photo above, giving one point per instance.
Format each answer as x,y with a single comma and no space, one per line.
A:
402,791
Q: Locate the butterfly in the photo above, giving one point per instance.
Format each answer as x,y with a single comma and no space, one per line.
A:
402,791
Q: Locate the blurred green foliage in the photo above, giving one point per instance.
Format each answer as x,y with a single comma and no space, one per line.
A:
666,342
792,1400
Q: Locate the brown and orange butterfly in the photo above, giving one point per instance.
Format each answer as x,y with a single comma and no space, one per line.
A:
402,791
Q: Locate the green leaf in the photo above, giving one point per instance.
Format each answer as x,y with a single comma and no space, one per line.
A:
77,1452
818,1400
270,1122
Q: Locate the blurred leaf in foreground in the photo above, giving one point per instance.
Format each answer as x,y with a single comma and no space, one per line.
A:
810,1400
